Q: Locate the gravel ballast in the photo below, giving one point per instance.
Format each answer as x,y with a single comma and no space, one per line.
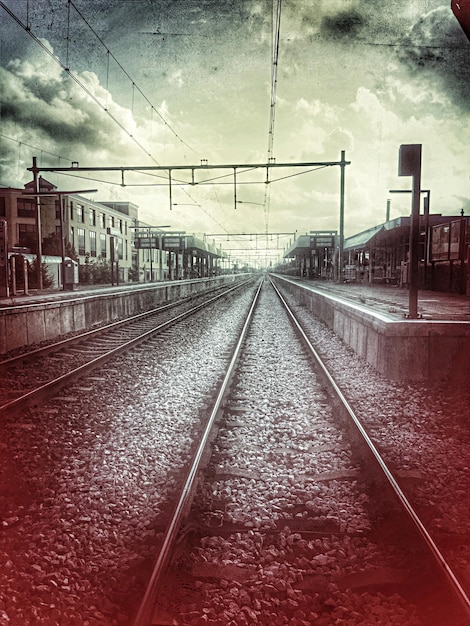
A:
85,480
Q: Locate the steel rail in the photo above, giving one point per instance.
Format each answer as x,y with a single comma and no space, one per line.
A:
439,558
39,393
102,330
144,613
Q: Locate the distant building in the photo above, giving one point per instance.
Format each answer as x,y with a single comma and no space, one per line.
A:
99,232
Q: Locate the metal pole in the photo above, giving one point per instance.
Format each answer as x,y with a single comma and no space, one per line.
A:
414,245
151,256
62,240
341,214
409,164
37,200
160,256
427,238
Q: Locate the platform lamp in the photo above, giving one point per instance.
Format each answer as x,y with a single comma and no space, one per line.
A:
56,194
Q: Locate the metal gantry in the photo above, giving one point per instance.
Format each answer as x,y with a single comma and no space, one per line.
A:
169,179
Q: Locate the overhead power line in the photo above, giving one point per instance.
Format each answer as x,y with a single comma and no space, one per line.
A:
65,67
276,31
135,87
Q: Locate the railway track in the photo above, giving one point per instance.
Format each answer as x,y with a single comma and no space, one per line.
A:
32,376
283,518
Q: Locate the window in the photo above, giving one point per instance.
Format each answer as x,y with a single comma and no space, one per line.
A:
57,209
92,243
103,245
126,249
92,216
120,226
71,210
111,221
102,220
26,235
119,247
2,207
72,236
81,240
80,217
26,208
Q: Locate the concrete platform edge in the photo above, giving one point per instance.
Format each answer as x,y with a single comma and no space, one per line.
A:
408,350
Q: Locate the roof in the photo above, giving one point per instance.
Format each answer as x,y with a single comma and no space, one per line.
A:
300,246
362,239
45,258
199,244
43,185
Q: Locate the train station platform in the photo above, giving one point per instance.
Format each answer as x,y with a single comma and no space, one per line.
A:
26,320
373,321
394,301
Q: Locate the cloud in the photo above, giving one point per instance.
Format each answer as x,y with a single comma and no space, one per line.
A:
346,24
43,106
436,51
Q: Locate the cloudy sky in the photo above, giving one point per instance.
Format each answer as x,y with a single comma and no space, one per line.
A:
173,82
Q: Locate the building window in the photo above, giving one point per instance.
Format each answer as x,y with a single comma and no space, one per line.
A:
103,245
79,213
92,243
81,240
92,216
2,207
120,226
71,211
26,208
27,235
57,209
72,236
111,221
102,220
119,247
126,249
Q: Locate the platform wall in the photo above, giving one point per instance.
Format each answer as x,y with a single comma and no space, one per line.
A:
29,324
408,350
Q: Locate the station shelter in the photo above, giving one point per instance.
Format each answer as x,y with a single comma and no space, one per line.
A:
313,255
381,254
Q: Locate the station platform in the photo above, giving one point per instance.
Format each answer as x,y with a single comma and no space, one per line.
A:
27,320
373,320
80,291
394,301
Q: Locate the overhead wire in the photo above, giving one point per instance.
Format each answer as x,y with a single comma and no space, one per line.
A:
133,83
275,40
136,87
66,68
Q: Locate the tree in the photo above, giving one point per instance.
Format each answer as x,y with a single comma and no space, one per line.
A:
51,245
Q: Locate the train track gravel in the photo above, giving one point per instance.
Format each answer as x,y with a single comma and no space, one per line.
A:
84,480
283,528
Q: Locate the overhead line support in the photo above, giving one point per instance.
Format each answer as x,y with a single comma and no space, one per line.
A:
193,168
